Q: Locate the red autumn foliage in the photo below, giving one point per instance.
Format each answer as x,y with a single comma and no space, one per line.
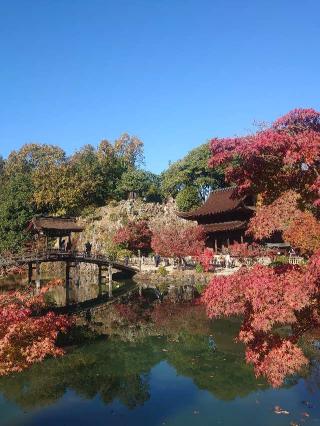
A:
136,235
246,250
205,259
276,216
268,298
26,336
299,228
280,165
270,162
298,120
275,358
304,233
178,241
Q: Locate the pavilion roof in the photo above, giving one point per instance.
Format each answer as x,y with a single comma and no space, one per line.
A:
54,224
219,201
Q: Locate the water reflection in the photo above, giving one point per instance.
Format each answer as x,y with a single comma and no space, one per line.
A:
169,366
139,375
119,370
78,291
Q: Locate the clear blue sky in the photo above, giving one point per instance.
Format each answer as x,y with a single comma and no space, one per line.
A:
172,72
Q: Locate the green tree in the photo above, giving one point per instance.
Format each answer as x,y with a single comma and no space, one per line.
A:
16,209
143,183
2,164
188,198
192,171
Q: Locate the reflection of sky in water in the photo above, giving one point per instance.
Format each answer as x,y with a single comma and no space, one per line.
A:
174,400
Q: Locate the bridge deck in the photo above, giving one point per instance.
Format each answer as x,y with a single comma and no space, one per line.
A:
65,256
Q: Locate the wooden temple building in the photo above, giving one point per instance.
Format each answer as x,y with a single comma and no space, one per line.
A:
224,217
46,227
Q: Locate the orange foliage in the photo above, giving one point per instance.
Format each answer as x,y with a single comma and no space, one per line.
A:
26,335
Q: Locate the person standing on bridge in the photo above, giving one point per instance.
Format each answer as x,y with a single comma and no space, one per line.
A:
88,247
62,245
69,245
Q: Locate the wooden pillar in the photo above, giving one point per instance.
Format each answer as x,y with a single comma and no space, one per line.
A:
228,242
67,283
30,270
99,275
102,277
216,245
38,275
76,273
241,238
110,280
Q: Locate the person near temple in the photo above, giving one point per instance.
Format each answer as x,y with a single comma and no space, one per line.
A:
88,247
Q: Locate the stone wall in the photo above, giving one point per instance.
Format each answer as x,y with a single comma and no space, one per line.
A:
105,221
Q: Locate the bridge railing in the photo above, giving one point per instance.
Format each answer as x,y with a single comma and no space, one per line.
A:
57,254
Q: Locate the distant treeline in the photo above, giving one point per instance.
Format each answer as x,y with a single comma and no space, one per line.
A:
42,179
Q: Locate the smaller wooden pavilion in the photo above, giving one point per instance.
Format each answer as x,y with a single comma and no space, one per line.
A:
224,217
45,227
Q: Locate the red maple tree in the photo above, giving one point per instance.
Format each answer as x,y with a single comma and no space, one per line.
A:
135,235
205,259
272,161
26,335
178,241
281,166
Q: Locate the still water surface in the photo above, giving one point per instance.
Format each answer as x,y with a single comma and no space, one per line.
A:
194,375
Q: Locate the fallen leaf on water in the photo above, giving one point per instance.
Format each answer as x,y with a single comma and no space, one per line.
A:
306,414
164,350
279,410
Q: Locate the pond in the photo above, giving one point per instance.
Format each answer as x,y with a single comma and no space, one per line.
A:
180,369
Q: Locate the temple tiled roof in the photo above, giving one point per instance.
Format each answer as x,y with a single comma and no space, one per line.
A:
219,201
225,226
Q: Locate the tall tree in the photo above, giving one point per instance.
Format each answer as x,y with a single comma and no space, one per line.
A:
178,240
281,165
135,235
33,156
193,172
145,184
129,149
16,209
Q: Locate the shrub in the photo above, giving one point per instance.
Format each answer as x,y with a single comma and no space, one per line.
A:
162,271
199,268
